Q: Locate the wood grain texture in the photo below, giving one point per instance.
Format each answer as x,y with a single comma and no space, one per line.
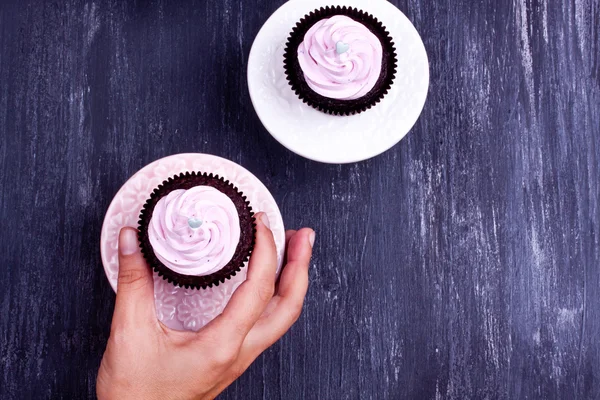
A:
462,263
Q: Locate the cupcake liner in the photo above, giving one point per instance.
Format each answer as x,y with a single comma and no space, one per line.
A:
295,75
244,247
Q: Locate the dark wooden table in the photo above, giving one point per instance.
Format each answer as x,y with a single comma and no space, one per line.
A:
462,263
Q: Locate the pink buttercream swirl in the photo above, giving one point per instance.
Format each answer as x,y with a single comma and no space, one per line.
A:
340,58
194,231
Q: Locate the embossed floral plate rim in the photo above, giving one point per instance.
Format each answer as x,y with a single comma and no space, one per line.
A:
178,308
337,139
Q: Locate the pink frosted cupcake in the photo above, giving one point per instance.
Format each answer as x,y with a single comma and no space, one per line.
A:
196,230
340,60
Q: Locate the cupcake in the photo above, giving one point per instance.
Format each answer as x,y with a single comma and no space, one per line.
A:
340,60
196,230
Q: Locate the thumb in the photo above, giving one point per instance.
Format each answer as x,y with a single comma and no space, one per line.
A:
135,285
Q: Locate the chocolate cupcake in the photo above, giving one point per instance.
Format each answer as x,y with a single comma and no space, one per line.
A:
340,60
196,230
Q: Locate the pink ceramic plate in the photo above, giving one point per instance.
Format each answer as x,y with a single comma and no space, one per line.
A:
179,308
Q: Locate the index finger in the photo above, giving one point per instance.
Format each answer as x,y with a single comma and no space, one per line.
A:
251,298
287,303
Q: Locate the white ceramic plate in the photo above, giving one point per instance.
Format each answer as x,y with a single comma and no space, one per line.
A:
320,136
179,308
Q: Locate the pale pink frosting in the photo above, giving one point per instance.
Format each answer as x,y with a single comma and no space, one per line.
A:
345,76
189,250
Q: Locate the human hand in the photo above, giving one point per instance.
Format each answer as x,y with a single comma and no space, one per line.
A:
144,359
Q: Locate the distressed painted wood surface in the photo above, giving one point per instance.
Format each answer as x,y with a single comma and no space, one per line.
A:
462,263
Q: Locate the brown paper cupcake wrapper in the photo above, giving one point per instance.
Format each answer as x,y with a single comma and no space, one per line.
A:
243,250
295,75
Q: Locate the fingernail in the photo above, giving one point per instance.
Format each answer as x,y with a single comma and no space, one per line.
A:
265,220
128,243
311,238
